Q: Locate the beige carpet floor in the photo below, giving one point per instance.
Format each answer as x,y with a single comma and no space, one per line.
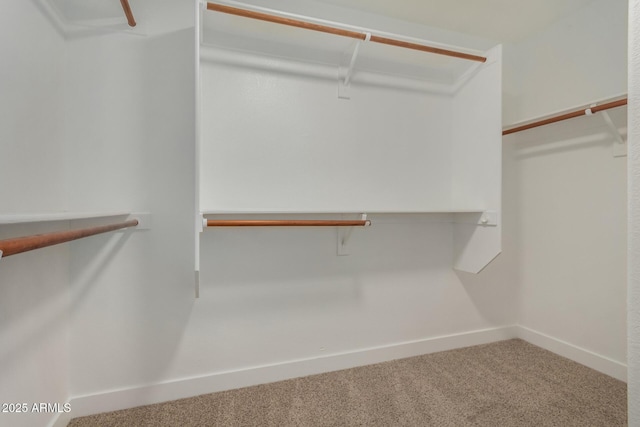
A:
508,383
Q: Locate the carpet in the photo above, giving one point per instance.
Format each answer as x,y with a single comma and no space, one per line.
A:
507,383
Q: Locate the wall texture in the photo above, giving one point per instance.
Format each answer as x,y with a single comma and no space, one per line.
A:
634,214
278,303
568,64
132,150
31,117
274,303
276,142
34,287
569,204
565,190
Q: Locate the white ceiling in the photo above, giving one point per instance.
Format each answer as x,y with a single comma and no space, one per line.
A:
500,20
83,10
152,16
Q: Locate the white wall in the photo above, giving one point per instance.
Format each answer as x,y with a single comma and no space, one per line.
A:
98,123
577,60
274,303
275,142
34,304
634,218
565,191
34,325
130,113
570,204
270,298
273,296
31,117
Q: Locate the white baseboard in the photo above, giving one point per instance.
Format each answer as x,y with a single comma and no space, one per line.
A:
220,381
583,356
61,420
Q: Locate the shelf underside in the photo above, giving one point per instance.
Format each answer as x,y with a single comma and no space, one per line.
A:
274,40
306,214
24,218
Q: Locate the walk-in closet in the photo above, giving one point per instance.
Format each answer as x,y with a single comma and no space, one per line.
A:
319,212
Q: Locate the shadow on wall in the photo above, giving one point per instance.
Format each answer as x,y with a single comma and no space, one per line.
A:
500,280
566,136
132,303
556,181
282,268
35,299
125,314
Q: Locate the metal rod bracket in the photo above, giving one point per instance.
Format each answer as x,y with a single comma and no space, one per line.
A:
344,85
488,219
344,234
485,219
620,145
201,223
144,220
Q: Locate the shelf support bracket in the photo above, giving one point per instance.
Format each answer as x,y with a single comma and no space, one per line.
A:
344,86
486,219
201,223
344,234
620,145
144,220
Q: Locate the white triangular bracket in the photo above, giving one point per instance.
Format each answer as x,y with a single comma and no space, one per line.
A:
344,85
344,234
620,145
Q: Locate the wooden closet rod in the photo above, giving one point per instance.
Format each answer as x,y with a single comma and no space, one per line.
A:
340,32
128,13
29,243
567,116
286,223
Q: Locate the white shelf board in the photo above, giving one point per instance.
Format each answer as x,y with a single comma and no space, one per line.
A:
23,218
280,41
355,212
